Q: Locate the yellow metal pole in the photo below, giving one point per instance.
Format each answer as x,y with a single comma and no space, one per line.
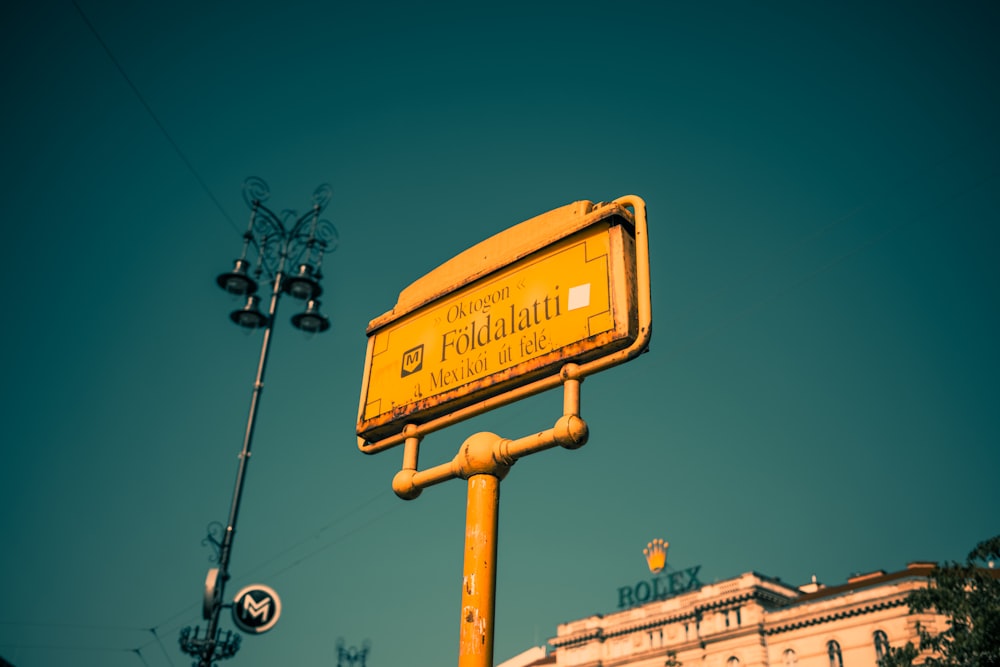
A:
479,580
483,460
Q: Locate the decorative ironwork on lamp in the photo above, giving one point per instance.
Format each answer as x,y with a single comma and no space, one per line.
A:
352,657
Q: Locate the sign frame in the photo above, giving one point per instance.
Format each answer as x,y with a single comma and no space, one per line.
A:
528,258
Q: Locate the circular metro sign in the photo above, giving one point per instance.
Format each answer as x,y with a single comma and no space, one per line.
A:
256,608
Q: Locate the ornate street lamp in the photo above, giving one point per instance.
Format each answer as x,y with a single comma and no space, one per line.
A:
352,657
271,244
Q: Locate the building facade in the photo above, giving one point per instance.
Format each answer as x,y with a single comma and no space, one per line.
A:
750,621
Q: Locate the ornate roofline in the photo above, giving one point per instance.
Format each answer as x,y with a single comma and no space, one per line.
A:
601,633
834,616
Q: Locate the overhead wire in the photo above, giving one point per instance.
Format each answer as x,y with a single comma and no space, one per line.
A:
168,624
56,647
152,114
162,647
74,626
317,533
99,646
340,539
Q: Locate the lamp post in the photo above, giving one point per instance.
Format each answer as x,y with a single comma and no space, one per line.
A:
271,244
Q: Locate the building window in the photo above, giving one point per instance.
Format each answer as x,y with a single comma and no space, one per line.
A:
833,652
733,662
881,646
790,659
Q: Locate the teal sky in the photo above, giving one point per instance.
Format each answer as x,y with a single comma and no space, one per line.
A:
820,396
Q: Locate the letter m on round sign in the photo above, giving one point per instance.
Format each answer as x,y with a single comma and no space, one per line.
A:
256,609
413,361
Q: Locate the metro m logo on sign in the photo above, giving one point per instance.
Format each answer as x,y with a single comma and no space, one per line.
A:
255,611
413,361
256,608
555,289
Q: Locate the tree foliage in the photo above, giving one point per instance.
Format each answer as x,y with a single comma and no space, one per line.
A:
969,596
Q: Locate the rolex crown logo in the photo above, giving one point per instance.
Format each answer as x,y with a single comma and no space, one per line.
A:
656,555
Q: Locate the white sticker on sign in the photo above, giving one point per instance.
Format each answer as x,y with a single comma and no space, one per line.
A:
579,297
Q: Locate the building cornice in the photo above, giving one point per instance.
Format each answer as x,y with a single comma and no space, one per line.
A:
691,614
835,616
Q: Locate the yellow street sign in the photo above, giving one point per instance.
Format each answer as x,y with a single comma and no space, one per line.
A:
572,298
